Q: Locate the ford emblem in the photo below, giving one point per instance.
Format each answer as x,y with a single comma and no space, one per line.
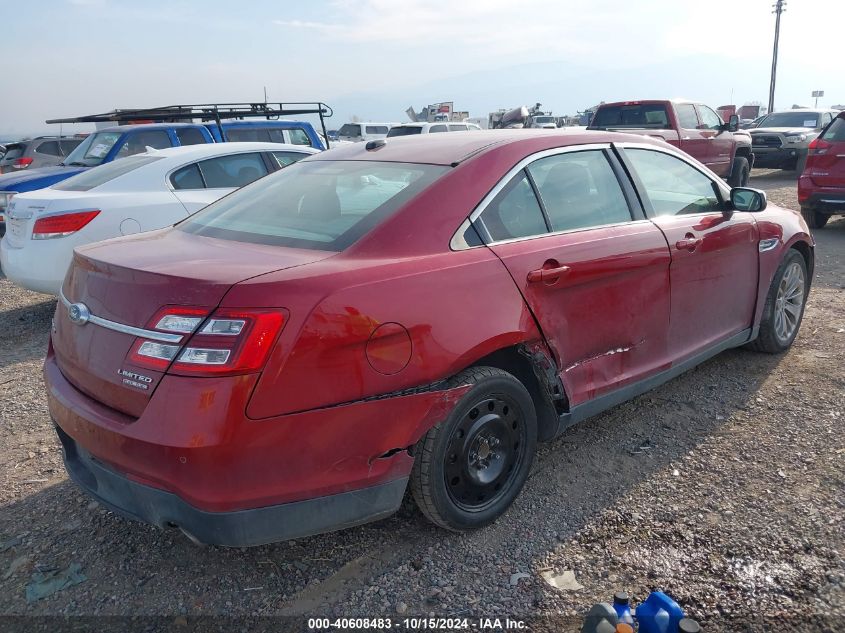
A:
78,313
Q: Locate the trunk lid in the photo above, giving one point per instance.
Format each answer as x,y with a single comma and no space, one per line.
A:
26,208
127,281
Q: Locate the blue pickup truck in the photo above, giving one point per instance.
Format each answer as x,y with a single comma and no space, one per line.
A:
112,143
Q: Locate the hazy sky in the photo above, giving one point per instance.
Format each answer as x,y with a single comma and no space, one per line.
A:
374,58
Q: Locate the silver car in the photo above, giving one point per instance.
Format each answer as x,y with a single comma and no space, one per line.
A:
41,151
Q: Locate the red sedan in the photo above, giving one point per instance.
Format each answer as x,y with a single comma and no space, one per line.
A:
821,187
418,310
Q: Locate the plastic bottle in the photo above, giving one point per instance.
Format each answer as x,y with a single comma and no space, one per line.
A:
600,619
659,614
622,606
688,625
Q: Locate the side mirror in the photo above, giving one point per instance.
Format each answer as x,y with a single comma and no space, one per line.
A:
745,199
733,123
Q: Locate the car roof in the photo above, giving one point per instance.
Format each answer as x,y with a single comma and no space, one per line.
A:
451,149
146,126
192,152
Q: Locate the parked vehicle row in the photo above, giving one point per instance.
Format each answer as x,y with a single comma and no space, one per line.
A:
139,193
109,144
411,129
41,151
291,358
782,139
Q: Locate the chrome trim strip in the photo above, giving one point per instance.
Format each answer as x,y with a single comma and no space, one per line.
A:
830,201
126,329
767,245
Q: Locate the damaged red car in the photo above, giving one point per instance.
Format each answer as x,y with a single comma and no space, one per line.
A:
415,313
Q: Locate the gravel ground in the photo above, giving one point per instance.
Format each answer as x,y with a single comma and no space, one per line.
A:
723,487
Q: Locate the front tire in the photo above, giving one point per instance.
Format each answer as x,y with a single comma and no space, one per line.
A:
784,307
470,467
740,172
814,219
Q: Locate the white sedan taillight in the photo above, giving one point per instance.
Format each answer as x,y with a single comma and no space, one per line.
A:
62,224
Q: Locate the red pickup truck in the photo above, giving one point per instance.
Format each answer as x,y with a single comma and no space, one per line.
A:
692,127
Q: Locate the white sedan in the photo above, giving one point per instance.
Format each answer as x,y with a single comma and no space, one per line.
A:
134,194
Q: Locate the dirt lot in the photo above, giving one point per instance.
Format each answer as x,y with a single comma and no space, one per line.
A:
725,487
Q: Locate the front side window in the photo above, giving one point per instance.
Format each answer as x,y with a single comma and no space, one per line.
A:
190,136
69,145
321,204
579,190
237,170
376,129
709,119
514,212
247,135
687,118
87,180
138,142
437,128
673,186
457,128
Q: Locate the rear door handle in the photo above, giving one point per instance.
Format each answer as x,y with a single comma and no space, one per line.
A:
689,243
547,275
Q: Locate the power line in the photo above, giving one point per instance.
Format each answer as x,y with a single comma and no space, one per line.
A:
778,9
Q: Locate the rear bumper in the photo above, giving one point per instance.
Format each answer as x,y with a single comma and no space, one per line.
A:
19,268
194,459
827,201
777,157
241,528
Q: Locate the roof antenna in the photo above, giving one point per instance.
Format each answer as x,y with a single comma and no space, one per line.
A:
265,95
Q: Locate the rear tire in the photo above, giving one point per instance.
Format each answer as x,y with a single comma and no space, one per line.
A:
784,307
470,467
814,219
740,171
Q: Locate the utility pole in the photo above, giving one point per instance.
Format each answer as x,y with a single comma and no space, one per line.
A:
778,9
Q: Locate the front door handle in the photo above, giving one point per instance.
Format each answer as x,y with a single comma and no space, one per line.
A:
547,275
689,243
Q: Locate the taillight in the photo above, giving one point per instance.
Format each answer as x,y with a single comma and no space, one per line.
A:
61,225
819,146
230,341
22,163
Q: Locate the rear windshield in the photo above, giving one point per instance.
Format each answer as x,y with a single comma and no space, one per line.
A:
648,115
404,131
324,205
790,119
93,150
835,132
13,152
87,180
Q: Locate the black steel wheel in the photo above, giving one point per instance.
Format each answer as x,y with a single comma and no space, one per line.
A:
469,468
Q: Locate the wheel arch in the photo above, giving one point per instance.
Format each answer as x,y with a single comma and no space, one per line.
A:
808,253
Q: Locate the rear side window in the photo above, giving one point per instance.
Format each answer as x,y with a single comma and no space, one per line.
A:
48,148
287,158
836,132
138,142
349,129
69,145
457,128
97,176
190,136
299,137
376,129
187,177
232,171
647,115
687,117
325,205
673,186
514,212
437,128
247,135
579,190
404,131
